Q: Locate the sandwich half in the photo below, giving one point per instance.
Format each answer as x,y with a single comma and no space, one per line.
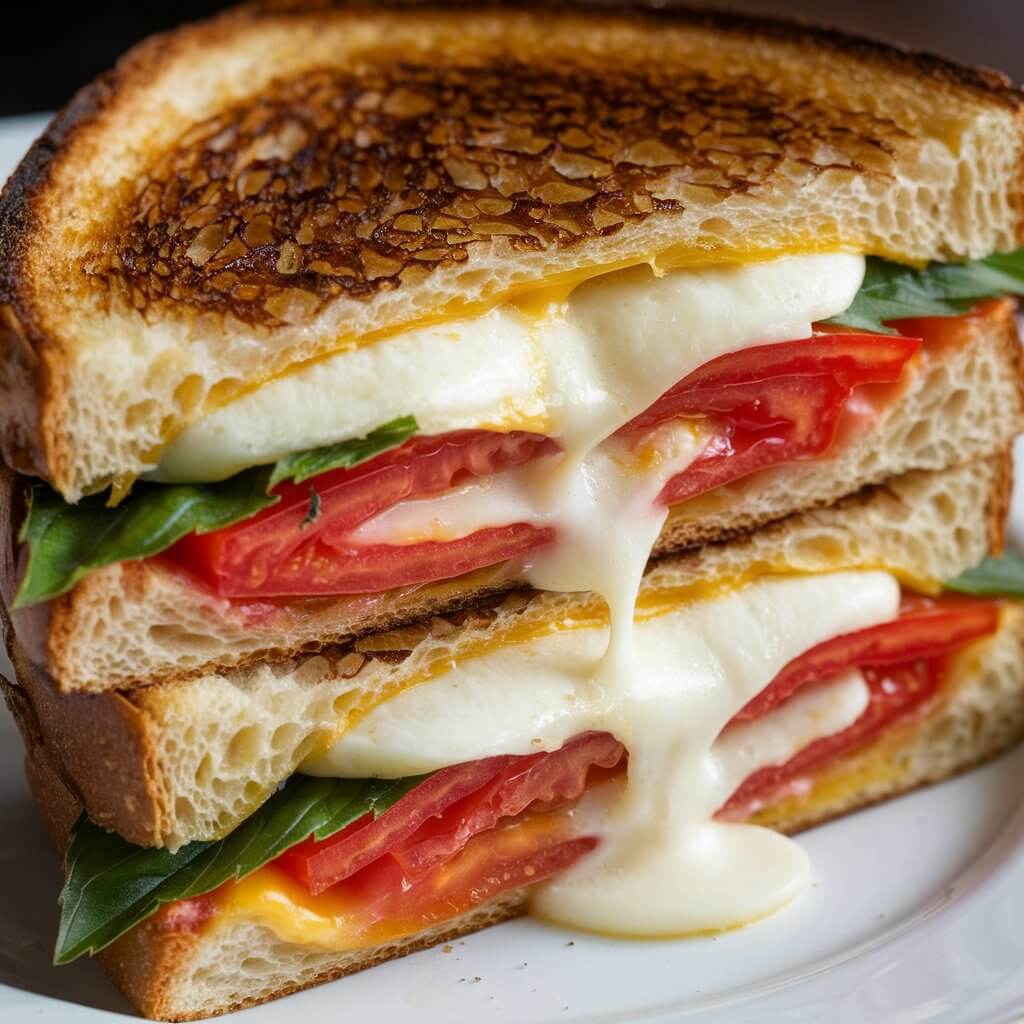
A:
471,458
456,775
343,331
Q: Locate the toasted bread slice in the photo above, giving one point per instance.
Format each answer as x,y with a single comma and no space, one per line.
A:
169,763
250,192
143,622
171,974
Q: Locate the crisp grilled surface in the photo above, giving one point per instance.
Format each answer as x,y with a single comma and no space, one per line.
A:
675,13
334,182
248,193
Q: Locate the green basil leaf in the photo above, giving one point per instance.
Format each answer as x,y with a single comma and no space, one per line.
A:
994,577
65,542
303,465
891,291
112,885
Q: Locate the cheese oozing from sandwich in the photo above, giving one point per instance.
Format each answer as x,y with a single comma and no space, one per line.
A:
578,371
573,369
665,866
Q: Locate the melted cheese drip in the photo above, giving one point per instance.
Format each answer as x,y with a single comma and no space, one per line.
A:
274,900
472,712
584,366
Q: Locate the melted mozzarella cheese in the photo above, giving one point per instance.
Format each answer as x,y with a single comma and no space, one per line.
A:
811,714
584,368
664,865
576,371
472,711
528,495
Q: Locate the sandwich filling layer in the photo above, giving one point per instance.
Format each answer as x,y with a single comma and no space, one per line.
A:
341,864
564,816
554,412
640,389
574,367
664,865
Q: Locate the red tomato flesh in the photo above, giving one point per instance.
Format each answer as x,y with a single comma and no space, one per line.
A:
434,821
470,832
277,553
773,404
894,691
926,628
848,359
383,902
769,404
475,830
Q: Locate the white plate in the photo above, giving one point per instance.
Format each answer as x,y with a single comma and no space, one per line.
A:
917,915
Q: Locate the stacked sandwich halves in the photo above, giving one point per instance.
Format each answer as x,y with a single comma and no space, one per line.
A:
470,459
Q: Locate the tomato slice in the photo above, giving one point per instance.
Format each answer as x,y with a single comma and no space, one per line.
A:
773,404
323,568
434,821
926,628
280,552
849,359
383,902
474,830
894,692
798,420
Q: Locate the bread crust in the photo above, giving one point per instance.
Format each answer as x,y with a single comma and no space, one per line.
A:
102,746
37,352
989,82
149,961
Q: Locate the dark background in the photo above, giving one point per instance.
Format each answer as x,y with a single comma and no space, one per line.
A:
46,52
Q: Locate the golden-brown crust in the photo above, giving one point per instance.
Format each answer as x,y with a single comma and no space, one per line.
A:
30,361
989,82
252,280
337,182
33,440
